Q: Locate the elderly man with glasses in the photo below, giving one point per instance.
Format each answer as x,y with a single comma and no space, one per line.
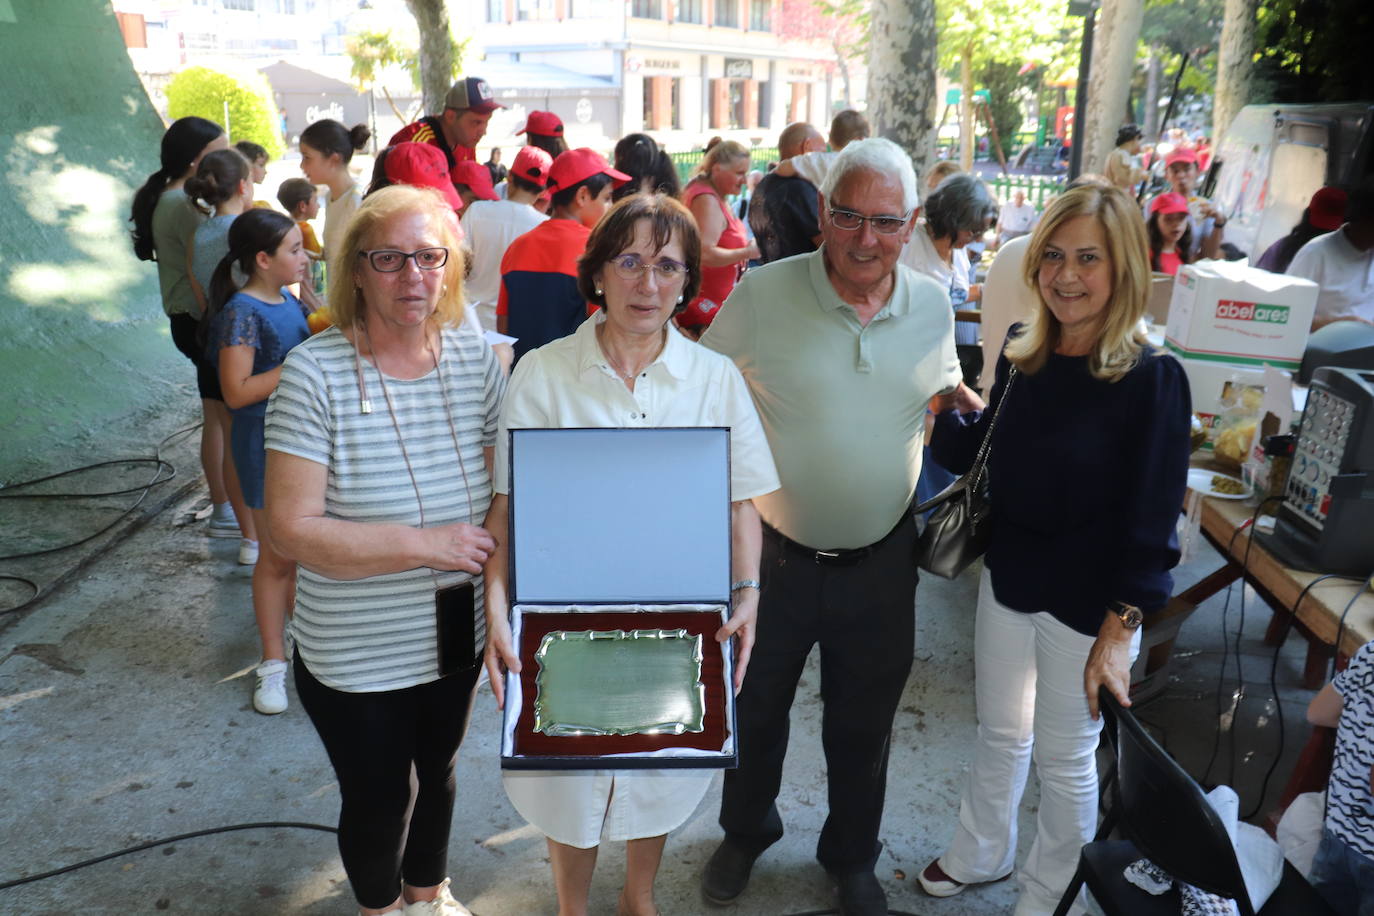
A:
842,350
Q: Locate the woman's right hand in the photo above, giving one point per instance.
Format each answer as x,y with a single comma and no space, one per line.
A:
458,547
499,655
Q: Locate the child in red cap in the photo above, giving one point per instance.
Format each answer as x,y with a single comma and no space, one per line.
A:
539,301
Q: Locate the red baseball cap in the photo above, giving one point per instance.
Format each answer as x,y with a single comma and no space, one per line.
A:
532,164
1182,154
421,165
577,165
476,177
543,124
1171,202
1327,209
472,94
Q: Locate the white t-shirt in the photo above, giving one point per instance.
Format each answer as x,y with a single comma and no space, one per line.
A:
337,214
956,277
1344,273
491,225
814,166
1016,219
378,633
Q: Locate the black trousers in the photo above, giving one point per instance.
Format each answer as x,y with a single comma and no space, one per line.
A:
387,832
864,618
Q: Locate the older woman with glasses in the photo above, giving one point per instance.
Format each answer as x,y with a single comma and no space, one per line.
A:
956,213
642,262
379,441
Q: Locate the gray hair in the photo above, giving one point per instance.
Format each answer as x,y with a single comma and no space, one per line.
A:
960,202
874,154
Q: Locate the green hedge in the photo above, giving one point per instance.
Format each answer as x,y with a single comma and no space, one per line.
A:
202,91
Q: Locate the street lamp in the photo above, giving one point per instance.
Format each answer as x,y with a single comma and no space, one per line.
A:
1088,10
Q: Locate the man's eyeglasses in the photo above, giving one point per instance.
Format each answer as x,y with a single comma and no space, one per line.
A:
850,221
630,267
389,260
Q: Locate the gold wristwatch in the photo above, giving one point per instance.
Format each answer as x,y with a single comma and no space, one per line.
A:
1129,615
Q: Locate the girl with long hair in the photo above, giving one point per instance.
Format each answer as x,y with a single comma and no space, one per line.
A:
252,328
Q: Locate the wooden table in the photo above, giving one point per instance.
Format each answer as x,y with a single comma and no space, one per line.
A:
1316,619
1280,586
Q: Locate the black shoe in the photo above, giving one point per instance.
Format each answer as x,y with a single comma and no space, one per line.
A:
860,894
727,872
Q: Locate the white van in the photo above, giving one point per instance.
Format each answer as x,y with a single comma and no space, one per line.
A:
1274,157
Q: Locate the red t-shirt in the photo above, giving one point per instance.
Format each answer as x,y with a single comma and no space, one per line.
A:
1170,262
421,132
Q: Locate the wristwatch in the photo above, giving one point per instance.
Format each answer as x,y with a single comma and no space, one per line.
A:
1129,615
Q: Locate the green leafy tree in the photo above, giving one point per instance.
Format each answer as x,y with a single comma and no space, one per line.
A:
204,92
1006,84
975,33
373,48
1313,51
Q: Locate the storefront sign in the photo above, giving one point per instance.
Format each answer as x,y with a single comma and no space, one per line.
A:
739,68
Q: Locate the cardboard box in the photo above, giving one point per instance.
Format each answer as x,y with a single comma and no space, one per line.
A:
619,541
1225,311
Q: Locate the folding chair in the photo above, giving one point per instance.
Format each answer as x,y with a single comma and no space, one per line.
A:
1167,819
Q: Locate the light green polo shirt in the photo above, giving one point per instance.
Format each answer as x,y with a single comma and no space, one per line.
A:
843,405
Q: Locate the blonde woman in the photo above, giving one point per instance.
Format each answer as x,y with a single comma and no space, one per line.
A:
1088,463
379,446
725,245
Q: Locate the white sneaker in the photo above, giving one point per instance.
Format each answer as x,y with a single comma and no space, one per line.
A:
248,552
442,905
270,696
223,523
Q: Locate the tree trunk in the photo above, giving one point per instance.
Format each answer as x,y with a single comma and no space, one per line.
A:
1114,42
436,51
843,61
967,141
1235,64
901,76
1150,125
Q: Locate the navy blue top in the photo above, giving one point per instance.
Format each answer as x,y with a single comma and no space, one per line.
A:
270,329
1087,480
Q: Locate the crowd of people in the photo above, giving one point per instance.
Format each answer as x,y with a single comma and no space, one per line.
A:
364,466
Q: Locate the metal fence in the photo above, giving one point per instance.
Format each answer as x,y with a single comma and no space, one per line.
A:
1038,188
686,163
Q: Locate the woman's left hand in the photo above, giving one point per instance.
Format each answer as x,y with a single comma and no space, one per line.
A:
1109,664
741,625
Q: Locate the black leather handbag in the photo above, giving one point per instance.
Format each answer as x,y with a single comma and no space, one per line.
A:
960,528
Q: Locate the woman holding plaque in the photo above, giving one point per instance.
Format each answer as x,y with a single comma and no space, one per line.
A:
1088,465
379,441
642,263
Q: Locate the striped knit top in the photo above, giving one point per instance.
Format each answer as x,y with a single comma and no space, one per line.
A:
1350,802
378,633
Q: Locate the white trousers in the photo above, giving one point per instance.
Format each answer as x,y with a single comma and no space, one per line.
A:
1031,703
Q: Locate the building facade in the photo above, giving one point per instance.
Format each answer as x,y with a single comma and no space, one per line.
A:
686,70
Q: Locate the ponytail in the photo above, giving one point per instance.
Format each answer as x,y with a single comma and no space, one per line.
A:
217,179
184,140
257,230
329,137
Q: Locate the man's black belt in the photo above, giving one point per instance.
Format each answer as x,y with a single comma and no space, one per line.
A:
838,556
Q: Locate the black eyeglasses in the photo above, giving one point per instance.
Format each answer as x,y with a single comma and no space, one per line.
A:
389,260
850,221
630,267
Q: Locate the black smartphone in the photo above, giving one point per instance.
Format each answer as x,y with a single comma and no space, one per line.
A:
455,622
